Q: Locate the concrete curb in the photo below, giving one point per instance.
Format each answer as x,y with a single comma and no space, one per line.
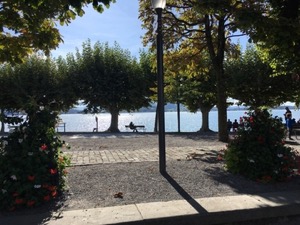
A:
204,211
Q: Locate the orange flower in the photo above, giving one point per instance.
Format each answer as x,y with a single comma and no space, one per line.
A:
54,194
53,171
30,178
61,159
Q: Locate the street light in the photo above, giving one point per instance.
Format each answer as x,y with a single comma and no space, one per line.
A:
159,5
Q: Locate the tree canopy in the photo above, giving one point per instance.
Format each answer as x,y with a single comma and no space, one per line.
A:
30,25
253,83
109,78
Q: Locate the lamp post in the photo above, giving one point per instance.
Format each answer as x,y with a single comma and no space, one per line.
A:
159,5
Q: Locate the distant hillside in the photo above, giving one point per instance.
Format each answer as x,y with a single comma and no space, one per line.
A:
172,108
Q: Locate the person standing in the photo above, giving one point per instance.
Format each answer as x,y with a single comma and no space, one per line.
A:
289,125
229,125
287,111
235,125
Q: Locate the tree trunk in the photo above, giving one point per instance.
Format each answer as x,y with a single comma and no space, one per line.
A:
222,111
114,122
2,123
217,57
205,119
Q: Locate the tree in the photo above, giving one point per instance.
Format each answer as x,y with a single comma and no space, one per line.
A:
32,83
209,22
31,162
108,78
189,77
253,83
29,25
275,27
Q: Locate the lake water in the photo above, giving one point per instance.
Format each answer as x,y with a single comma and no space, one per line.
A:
189,122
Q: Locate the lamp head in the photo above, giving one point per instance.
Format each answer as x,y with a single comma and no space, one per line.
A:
158,4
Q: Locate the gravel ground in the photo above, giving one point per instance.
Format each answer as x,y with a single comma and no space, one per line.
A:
127,183
103,185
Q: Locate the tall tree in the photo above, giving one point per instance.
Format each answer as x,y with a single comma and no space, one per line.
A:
29,25
109,78
274,25
253,83
189,77
209,22
35,82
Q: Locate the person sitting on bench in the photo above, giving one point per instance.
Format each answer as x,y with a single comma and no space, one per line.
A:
132,127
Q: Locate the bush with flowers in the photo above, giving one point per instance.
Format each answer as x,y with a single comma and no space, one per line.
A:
32,165
258,150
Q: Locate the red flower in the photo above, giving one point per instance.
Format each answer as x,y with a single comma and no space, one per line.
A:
46,198
30,203
31,178
260,139
19,201
51,188
44,147
53,171
54,194
251,119
219,158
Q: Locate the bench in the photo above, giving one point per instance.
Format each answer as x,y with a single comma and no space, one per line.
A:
296,129
136,128
60,125
12,128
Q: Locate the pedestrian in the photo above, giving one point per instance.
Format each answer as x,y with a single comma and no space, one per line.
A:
235,125
289,125
229,125
287,110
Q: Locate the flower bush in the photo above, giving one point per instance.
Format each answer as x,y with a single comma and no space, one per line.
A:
32,165
258,151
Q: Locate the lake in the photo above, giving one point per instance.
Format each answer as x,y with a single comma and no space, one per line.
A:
189,122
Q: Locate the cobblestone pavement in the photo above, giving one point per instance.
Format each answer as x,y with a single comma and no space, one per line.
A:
85,150
118,156
89,150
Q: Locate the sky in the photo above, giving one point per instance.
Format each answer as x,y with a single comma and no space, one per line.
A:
118,23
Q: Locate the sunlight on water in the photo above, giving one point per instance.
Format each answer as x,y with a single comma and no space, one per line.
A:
189,122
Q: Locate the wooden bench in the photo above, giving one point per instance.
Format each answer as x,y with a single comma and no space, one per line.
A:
296,129
136,128
12,128
60,125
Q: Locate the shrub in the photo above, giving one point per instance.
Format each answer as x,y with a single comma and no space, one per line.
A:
32,165
258,151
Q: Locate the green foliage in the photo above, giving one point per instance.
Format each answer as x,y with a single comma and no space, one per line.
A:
258,151
109,78
32,82
33,168
28,26
253,83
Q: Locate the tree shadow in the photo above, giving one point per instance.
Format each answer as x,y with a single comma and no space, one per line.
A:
183,193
